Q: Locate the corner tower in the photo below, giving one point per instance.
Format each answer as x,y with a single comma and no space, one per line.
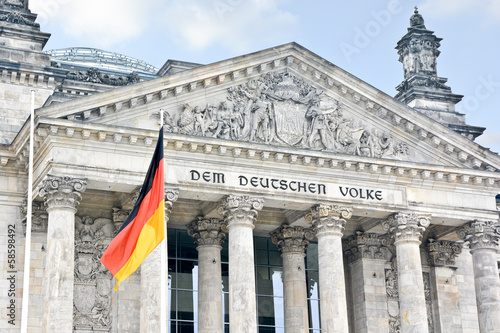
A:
421,88
23,66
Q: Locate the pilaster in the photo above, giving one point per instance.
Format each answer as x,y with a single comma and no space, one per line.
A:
61,196
240,213
443,274
209,234
151,278
292,242
483,238
328,222
366,256
407,229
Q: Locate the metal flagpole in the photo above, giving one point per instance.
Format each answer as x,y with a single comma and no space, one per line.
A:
27,245
163,278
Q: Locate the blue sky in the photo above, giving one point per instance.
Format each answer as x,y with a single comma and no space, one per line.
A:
356,35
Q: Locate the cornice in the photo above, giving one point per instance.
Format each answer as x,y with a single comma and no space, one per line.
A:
60,130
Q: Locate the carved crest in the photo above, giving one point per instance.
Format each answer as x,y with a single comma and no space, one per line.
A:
283,109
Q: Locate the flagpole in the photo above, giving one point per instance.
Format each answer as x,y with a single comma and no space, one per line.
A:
27,245
163,278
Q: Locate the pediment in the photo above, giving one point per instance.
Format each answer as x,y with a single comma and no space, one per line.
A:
284,97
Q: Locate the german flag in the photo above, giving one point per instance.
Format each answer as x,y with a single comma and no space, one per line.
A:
144,228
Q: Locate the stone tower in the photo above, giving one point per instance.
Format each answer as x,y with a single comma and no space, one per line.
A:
422,88
23,66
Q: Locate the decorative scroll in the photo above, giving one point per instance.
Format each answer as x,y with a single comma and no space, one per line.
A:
283,109
93,282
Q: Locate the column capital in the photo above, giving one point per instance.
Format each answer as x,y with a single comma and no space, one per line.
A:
366,245
481,234
328,219
406,227
328,210
443,252
292,239
240,209
62,192
207,231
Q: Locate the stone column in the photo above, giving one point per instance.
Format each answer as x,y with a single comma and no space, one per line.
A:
367,256
151,277
407,231
240,213
328,222
292,242
209,234
483,237
62,195
443,274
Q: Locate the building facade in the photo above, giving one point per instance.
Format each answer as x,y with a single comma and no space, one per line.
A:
298,197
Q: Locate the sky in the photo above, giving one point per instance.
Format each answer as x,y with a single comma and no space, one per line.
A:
358,36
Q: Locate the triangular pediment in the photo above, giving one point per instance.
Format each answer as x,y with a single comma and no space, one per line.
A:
283,97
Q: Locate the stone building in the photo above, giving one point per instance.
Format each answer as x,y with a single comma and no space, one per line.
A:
320,202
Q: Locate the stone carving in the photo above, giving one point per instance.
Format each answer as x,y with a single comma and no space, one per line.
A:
481,234
406,227
16,17
328,219
292,239
443,253
418,52
394,324
93,282
39,216
240,209
119,216
428,301
207,231
171,196
283,109
93,75
365,245
391,280
62,191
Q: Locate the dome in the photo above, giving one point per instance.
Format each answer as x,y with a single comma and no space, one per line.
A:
416,20
101,59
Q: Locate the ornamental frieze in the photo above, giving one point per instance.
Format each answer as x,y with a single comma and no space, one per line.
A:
283,109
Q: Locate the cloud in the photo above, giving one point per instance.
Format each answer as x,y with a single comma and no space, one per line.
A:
489,10
100,22
233,24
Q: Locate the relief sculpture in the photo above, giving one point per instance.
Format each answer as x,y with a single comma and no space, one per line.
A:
282,109
93,282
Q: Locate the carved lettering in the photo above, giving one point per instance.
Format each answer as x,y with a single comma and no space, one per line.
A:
361,193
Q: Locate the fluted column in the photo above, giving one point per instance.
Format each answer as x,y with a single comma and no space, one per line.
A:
292,242
443,274
367,256
483,237
240,213
328,222
407,229
151,278
209,234
62,195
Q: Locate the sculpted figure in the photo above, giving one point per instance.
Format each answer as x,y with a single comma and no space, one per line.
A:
319,125
387,144
260,119
366,144
426,57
